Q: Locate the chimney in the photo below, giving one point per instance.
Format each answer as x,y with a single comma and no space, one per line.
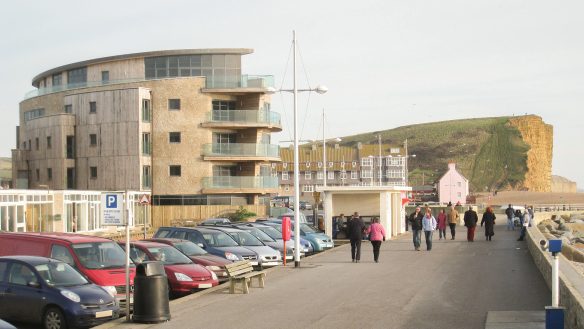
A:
451,166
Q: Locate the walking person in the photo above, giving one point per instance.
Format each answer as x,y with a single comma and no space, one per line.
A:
470,221
429,225
489,222
531,215
356,228
441,224
510,214
416,223
376,235
524,225
453,218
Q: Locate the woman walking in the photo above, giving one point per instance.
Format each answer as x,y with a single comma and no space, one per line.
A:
429,225
489,222
442,224
376,235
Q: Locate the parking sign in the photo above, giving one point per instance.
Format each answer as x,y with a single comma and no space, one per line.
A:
112,211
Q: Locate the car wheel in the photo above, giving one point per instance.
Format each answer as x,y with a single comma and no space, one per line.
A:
54,319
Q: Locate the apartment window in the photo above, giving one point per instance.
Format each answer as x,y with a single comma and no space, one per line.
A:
174,137
104,76
395,173
397,161
36,143
49,173
68,108
146,177
57,79
49,142
38,174
77,76
29,144
308,188
33,114
146,144
92,107
367,162
285,175
174,170
93,172
330,175
343,175
354,175
319,175
394,150
92,139
366,173
308,175
146,111
174,104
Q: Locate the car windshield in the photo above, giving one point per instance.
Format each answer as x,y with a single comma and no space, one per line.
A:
100,255
307,228
260,235
190,249
272,232
245,238
219,239
59,274
169,255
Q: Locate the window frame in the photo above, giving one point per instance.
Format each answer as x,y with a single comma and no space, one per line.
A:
174,104
92,107
175,167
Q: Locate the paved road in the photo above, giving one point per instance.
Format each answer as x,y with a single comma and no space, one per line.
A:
452,286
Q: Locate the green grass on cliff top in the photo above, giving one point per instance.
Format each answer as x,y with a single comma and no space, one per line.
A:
487,151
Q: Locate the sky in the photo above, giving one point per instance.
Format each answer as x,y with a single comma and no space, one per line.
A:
386,63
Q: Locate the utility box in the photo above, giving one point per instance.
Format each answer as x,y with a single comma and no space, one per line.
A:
151,303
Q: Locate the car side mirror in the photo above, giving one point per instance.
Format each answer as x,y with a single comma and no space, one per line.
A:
34,284
201,245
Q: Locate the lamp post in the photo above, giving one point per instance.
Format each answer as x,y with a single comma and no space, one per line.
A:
380,160
321,90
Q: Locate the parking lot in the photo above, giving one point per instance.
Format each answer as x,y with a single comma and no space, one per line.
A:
452,286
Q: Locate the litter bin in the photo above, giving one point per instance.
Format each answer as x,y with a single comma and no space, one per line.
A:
150,294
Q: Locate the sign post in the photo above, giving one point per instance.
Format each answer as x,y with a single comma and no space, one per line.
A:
144,201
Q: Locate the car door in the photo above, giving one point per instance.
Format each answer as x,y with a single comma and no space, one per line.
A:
3,287
24,301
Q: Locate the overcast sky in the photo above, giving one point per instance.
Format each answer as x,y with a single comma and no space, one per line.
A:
386,63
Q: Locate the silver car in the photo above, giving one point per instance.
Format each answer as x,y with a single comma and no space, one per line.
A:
262,233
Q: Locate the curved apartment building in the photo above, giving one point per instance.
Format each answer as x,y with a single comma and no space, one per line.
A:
184,124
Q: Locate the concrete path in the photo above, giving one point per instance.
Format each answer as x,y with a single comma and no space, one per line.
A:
452,286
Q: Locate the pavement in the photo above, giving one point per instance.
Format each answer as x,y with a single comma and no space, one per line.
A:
455,285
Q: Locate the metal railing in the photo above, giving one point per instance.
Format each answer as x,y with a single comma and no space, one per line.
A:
241,149
244,116
240,182
243,81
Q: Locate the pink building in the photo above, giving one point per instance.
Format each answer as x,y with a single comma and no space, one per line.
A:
452,187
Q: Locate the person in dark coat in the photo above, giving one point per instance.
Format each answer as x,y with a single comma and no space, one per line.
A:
470,221
416,223
356,229
510,214
489,222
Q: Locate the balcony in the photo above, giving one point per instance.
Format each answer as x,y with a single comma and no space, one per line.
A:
241,152
243,119
240,184
238,84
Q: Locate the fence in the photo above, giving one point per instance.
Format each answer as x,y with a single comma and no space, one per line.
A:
183,215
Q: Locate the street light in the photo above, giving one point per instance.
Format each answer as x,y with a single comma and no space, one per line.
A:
321,90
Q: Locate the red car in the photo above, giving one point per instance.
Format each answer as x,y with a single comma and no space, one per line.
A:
184,276
198,255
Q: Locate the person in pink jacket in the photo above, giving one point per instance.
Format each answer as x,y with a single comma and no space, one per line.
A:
376,235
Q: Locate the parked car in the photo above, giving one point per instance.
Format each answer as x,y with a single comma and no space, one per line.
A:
305,245
184,276
199,256
6,325
50,292
99,259
305,205
318,240
270,236
214,242
212,221
267,256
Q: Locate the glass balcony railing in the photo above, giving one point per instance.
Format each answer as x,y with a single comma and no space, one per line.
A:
241,150
88,84
244,116
243,81
240,182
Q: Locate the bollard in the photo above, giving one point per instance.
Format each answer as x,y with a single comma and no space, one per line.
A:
554,315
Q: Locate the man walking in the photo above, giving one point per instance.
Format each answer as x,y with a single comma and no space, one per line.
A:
416,223
510,212
356,228
470,221
524,225
453,218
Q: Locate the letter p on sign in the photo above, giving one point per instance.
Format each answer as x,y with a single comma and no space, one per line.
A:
111,201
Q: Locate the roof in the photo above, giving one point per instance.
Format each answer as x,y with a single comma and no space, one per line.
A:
67,237
32,260
175,52
145,244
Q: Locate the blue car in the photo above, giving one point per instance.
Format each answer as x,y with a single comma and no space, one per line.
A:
306,246
214,242
318,240
52,293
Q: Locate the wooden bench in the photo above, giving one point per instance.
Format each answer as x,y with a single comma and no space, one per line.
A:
242,271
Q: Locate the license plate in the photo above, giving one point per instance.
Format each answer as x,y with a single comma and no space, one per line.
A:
103,314
205,285
270,263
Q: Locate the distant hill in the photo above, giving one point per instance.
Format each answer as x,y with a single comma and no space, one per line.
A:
491,152
5,168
